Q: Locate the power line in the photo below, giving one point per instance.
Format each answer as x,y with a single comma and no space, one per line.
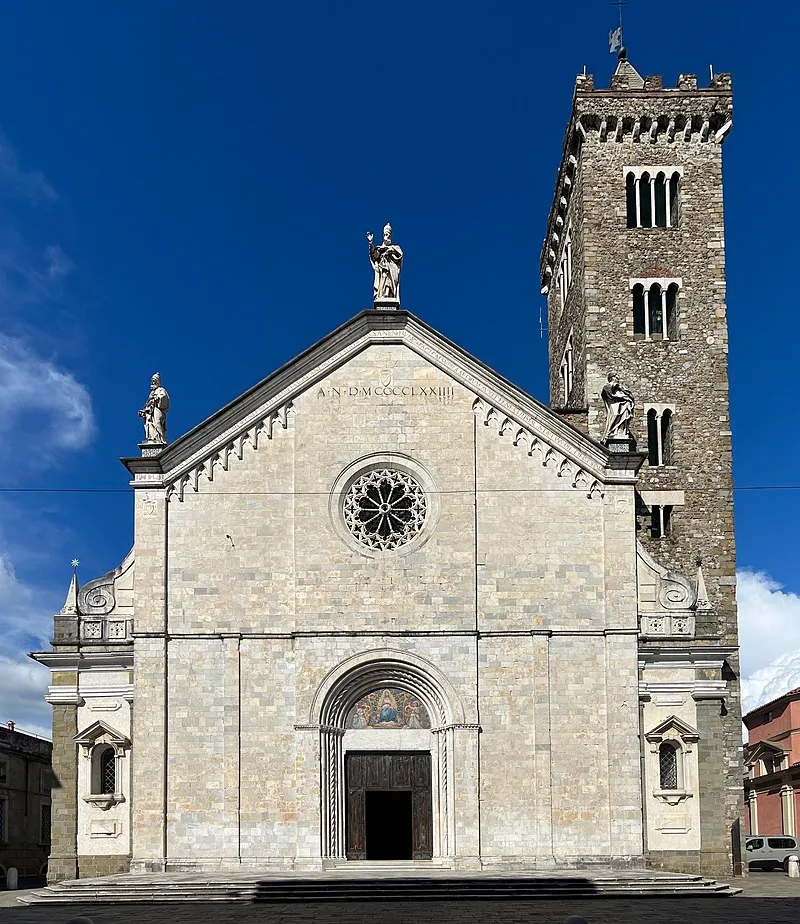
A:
191,492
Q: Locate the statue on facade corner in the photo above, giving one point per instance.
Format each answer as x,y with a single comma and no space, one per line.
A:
154,413
387,261
619,404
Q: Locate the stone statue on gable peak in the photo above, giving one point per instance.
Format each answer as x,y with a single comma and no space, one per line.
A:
387,261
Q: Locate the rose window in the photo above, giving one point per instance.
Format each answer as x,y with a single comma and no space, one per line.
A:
385,509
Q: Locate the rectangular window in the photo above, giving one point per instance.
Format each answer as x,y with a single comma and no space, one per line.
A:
3,820
44,835
659,435
661,521
45,782
3,772
779,843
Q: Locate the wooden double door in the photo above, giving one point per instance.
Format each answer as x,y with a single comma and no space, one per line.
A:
389,805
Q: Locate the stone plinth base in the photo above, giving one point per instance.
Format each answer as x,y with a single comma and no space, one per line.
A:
383,304
151,449
621,445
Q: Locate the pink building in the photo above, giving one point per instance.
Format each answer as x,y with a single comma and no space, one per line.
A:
772,766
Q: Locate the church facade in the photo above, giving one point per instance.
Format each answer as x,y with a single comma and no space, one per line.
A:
386,605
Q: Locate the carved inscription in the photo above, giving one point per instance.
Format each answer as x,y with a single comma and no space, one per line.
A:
418,392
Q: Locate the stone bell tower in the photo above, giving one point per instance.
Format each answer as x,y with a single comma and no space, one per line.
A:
633,267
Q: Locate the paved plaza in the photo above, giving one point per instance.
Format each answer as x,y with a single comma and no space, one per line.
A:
767,898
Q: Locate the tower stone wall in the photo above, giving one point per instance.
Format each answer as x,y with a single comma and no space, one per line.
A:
639,127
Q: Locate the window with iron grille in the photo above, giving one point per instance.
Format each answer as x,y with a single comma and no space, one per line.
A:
44,837
668,766
108,774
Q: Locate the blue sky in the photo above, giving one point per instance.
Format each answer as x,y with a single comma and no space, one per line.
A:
185,187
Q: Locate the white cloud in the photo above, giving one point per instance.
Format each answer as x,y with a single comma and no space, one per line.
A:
36,395
58,263
23,684
769,635
18,183
25,621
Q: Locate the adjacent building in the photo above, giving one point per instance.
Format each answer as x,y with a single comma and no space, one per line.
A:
772,765
387,605
25,788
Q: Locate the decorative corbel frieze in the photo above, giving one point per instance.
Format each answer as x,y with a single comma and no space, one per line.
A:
221,458
550,457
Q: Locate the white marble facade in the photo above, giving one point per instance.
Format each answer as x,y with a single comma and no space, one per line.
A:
256,617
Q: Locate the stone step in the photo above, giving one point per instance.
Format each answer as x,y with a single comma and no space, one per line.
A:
340,888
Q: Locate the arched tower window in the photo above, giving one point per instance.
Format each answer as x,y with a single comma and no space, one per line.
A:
668,765
630,200
672,312
660,201
652,437
652,197
673,212
655,313
645,201
567,370
666,437
639,324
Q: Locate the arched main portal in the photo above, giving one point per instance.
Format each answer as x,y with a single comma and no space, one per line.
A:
416,682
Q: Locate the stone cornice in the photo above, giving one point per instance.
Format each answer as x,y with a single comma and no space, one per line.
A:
667,655
85,660
255,414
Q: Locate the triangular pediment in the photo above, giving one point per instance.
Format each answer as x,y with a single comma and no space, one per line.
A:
259,414
754,752
101,730
673,727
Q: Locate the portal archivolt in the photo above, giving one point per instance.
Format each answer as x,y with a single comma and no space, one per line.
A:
370,694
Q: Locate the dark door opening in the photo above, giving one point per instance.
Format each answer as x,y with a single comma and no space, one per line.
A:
388,825
388,805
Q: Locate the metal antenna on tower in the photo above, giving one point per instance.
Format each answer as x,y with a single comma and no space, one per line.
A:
615,35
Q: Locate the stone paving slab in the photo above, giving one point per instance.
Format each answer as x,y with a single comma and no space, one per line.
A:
596,911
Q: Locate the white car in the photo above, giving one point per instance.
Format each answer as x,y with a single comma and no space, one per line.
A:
764,852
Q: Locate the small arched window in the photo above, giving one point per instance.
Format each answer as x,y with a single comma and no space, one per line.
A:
672,312
674,212
660,201
645,202
107,772
655,313
652,437
666,437
630,200
668,765
639,326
